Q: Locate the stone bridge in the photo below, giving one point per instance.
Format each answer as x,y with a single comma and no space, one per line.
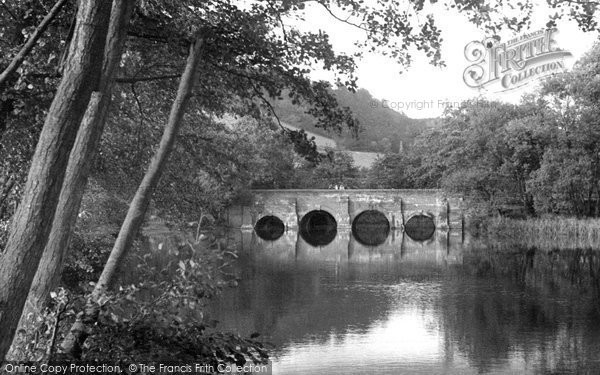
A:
291,207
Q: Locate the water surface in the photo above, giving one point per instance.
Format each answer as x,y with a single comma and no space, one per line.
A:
439,306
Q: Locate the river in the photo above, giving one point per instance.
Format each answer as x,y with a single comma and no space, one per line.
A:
443,305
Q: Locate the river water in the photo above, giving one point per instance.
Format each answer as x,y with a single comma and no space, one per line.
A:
444,305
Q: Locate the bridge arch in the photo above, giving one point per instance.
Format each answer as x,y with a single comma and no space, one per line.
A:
269,227
371,227
318,228
344,205
420,226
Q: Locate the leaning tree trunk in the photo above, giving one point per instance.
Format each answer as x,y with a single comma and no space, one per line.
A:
80,159
88,137
33,219
72,344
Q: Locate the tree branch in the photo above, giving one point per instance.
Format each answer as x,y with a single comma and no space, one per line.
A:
180,40
341,19
578,2
271,109
10,12
145,79
43,5
239,74
133,79
20,57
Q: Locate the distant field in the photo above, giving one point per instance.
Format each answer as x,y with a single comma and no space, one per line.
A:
364,159
320,140
361,159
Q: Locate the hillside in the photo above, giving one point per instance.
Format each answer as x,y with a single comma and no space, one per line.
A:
382,129
362,159
322,140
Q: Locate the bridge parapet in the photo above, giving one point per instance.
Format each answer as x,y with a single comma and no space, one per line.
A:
398,205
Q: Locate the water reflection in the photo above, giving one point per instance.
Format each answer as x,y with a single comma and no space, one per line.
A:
419,227
269,228
405,307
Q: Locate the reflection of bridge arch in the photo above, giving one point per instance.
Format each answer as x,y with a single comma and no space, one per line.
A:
318,227
420,226
370,227
269,227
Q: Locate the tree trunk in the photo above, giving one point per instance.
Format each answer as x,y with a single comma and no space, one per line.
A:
80,160
71,346
48,272
88,137
32,221
139,203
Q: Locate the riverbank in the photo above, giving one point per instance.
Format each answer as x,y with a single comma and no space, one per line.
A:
156,310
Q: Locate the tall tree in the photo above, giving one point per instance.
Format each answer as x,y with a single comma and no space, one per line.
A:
135,215
80,158
33,219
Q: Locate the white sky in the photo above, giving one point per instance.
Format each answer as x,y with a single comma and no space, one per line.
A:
422,89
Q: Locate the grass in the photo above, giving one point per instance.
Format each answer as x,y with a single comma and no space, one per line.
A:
547,232
363,159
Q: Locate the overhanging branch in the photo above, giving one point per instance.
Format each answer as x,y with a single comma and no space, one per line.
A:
146,79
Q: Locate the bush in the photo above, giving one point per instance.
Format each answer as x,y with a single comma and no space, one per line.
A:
161,318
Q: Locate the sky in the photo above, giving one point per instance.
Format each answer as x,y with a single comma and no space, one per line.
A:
423,90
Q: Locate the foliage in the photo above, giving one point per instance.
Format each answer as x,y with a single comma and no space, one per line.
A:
537,157
227,159
28,93
36,340
569,176
161,318
157,319
562,183
336,169
393,171
101,214
220,158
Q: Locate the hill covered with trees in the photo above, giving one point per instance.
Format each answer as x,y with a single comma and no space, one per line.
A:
381,129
